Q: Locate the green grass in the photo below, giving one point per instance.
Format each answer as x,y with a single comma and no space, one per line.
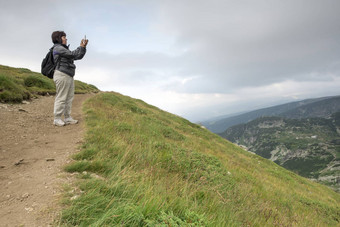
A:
18,84
308,167
141,166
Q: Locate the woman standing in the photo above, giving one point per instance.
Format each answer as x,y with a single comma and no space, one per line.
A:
63,76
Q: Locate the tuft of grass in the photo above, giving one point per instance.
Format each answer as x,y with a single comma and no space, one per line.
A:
82,88
147,167
11,90
18,84
39,85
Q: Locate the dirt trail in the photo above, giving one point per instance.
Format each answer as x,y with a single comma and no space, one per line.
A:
32,154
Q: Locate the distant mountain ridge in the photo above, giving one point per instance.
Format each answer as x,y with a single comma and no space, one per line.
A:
318,107
323,108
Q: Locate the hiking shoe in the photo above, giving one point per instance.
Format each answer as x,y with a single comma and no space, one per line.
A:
58,122
70,121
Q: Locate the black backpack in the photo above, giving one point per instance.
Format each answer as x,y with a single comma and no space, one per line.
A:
48,66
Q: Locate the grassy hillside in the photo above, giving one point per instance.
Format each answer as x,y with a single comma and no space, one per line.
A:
18,84
140,166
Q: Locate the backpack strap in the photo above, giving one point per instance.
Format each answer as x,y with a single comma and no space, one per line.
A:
58,61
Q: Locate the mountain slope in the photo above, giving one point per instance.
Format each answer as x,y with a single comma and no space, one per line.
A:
141,166
310,147
323,108
319,107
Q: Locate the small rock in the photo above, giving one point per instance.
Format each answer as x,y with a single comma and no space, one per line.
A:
25,102
19,162
28,209
74,197
25,196
97,176
22,110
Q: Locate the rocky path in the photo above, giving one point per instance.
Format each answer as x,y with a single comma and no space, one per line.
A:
32,155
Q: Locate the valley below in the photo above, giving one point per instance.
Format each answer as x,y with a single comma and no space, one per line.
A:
310,147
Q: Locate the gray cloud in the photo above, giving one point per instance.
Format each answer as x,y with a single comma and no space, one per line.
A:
252,43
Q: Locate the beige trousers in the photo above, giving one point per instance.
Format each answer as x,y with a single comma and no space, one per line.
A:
64,94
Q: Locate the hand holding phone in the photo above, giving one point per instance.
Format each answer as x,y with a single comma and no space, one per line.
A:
84,42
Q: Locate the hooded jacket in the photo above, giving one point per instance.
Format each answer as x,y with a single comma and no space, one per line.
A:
64,58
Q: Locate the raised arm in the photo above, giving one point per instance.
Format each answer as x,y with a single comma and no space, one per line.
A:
75,54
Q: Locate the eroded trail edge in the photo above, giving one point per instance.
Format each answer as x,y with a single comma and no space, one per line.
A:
32,154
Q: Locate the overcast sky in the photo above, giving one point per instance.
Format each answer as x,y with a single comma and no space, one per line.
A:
197,59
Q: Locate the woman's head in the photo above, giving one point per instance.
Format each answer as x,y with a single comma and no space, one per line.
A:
57,37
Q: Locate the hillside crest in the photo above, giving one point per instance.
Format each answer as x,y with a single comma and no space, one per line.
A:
318,107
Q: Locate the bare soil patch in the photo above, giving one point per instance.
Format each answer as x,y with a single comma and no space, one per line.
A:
32,154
